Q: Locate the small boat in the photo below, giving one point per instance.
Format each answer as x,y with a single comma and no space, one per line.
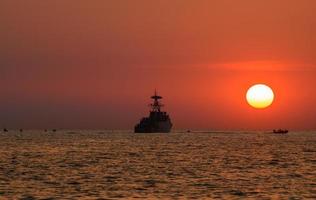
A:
280,131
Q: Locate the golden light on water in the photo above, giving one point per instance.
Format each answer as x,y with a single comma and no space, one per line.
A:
260,96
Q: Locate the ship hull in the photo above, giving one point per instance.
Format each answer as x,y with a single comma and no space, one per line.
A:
157,122
156,127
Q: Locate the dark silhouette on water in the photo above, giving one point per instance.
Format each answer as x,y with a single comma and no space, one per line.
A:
5,130
21,130
157,122
280,131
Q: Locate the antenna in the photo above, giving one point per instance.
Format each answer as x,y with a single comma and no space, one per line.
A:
156,105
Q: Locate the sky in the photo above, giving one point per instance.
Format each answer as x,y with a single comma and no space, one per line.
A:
94,64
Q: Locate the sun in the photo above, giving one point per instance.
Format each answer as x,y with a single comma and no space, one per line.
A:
260,96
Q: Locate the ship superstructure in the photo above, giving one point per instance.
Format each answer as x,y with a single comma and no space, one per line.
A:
157,121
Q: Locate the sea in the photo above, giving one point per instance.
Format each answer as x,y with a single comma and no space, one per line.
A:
106,164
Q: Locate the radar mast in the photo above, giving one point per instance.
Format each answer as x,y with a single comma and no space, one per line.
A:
156,105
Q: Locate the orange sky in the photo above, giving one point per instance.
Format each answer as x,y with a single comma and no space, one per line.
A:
93,64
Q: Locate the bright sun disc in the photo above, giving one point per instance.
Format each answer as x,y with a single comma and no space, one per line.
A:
260,96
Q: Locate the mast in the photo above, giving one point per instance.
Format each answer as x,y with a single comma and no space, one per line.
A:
156,105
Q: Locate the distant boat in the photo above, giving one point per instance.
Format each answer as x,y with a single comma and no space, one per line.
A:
280,131
157,122
5,130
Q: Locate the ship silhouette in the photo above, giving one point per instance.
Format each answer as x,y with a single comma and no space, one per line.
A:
157,121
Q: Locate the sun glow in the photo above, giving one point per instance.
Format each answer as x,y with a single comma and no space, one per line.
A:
260,96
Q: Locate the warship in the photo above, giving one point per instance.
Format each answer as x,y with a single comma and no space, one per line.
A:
157,121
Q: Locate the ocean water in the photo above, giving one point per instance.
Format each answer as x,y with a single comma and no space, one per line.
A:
122,165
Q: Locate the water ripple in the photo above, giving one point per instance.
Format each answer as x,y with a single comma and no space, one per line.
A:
117,165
